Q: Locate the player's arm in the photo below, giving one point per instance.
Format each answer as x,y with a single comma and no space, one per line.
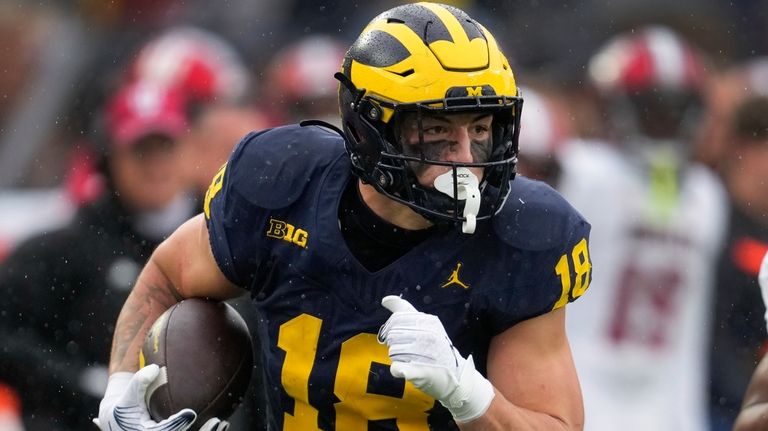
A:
531,382
535,381
181,267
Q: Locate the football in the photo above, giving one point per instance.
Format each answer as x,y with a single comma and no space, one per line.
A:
205,356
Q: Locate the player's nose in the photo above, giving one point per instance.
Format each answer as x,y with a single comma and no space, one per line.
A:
461,151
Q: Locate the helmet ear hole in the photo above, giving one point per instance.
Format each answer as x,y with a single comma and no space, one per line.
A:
353,131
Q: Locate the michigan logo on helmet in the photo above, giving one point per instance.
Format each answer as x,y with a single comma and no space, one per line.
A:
427,58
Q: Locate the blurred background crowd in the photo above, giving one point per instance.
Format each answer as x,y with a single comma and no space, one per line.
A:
650,117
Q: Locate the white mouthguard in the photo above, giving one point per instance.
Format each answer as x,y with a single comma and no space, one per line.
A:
468,190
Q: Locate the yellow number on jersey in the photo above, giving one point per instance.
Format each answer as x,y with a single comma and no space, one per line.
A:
298,338
582,267
216,184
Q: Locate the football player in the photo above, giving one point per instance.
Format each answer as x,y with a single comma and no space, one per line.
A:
211,74
754,412
402,279
639,340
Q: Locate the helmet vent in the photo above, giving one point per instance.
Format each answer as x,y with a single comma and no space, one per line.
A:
403,73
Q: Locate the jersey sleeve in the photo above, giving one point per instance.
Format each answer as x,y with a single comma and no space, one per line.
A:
229,212
551,261
268,172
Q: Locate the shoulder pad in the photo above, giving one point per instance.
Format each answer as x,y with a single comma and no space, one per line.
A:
535,217
272,168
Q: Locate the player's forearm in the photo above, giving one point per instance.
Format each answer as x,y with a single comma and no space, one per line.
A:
503,415
152,295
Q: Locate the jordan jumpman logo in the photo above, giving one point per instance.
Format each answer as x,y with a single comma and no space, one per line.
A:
454,278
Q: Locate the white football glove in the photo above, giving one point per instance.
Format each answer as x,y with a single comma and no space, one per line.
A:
124,406
762,280
422,353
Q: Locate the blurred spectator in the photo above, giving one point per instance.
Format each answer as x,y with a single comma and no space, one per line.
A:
212,136
739,337
299,82
639,338
197,62
544,130
725,93
218,89
217,86
62,290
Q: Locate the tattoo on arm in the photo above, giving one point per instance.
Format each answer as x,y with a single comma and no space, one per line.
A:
152,295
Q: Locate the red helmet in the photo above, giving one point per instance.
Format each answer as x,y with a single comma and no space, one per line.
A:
653,57
300,77
199,63
652,81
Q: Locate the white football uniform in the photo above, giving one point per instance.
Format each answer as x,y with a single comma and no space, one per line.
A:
640,337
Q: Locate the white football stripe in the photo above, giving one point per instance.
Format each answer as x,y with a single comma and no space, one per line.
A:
668,56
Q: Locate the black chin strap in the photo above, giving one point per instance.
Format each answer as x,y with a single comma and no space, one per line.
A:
358,92
321,123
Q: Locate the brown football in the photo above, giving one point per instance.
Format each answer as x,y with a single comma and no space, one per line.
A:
205,356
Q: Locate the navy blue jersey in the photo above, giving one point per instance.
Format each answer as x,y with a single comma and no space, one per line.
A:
272,214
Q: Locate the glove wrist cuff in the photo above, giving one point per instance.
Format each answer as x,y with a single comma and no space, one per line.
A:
472,396
117,383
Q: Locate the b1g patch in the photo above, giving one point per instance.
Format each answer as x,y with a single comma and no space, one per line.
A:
287,232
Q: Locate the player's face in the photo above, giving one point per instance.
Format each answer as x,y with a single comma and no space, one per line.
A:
146,173
455,137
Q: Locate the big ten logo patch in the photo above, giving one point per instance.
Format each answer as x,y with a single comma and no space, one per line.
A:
287,232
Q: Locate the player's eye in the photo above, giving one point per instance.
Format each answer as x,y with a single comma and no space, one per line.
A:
435,130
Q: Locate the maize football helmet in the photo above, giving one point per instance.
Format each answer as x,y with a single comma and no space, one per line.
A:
428,58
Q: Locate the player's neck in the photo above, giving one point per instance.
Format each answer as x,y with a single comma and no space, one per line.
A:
391,211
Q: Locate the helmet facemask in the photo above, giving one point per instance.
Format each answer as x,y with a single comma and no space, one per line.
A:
380,158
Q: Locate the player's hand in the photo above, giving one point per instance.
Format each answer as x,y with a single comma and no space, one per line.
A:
422,353
124,406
